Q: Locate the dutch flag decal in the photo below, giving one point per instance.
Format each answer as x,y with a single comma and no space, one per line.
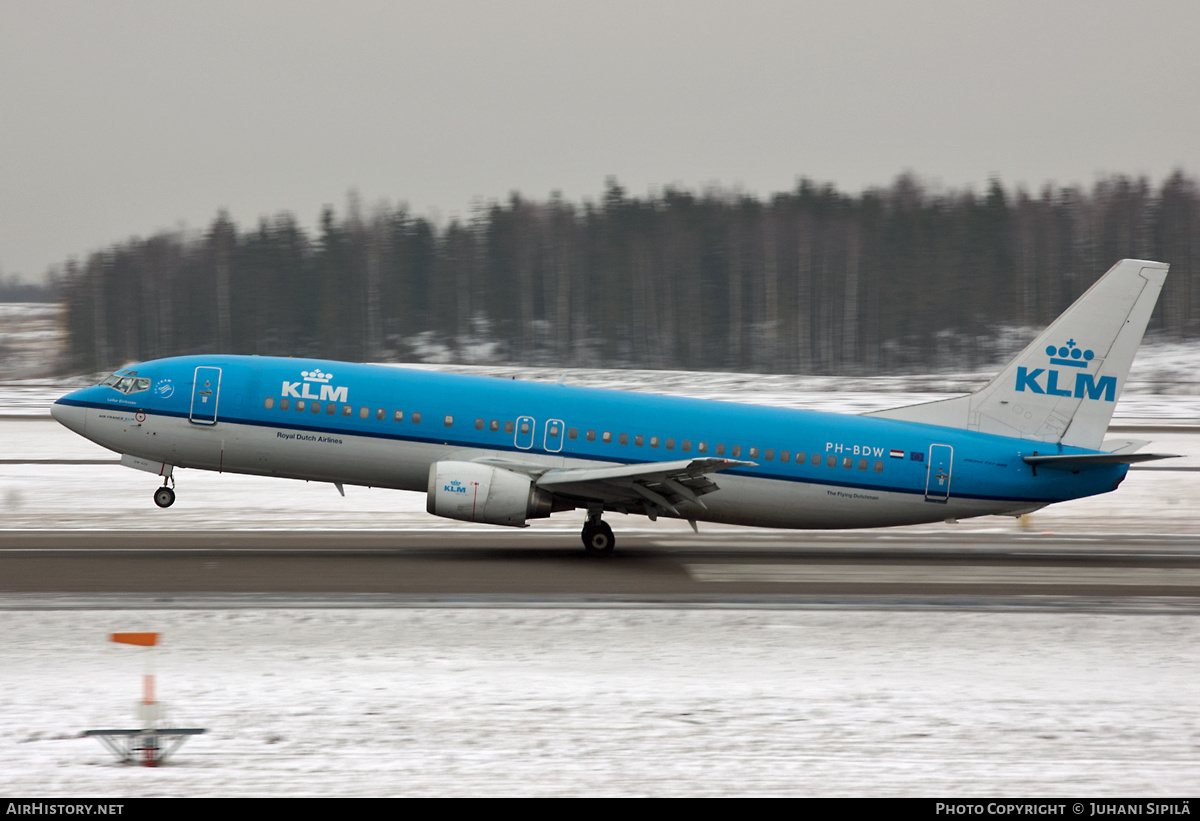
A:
897,454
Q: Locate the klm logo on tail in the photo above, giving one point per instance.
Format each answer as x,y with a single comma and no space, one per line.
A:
1069,355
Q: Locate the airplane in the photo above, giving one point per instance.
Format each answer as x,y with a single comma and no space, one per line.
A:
503,452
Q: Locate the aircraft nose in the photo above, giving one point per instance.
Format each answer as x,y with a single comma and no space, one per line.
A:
69,415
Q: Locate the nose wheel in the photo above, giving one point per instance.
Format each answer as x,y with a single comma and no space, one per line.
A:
598,538
164,496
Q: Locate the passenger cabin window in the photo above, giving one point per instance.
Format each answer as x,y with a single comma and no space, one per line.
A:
862,464
702,447
494,426
270,403
398,416
316,407
785,456
508,427
347,410
816,460
478,424
591,436
606,437
380,413
670,444
623,438
639,440
283,404
721,449
653,441
686,446
770,454
330,409
448,421
416,418
879,467
573,434
830,462
363,413
299,404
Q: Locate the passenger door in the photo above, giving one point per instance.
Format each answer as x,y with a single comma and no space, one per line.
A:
937,477
206,392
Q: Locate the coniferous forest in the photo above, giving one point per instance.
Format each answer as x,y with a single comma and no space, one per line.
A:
808,281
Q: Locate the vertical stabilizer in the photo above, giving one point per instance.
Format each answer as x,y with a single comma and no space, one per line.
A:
1064,386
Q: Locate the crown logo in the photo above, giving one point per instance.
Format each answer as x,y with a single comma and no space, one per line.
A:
1070,355
323,378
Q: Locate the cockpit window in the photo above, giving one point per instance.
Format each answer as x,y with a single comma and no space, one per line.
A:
127,384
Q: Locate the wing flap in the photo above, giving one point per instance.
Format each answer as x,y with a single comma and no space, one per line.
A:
655,486
644,471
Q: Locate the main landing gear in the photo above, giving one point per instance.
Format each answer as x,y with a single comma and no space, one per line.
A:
164,496
597,537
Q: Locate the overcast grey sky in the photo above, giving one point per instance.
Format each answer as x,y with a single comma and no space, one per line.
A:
118,119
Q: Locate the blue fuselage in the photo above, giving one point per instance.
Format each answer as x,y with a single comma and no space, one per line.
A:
384,426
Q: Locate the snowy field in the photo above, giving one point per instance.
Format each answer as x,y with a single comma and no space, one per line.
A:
331,698
611,701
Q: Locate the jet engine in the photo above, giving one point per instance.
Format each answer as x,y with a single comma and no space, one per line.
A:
472,492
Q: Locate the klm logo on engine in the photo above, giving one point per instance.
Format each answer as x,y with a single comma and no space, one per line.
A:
304,389
1070,356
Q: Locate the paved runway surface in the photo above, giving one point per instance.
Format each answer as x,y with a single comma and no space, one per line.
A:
553,566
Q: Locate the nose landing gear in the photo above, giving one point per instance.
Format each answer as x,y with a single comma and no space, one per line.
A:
598,537
164,496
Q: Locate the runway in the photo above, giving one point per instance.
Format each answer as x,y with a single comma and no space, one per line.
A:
729,567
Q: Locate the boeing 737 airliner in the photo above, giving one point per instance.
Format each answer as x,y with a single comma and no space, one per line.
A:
503,452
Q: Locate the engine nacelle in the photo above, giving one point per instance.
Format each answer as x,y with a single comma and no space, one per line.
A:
472,492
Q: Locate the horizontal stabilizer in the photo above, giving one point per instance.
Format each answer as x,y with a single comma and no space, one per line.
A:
1076,462
1123,445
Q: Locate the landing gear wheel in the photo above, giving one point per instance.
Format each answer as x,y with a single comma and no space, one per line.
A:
598,539
164,497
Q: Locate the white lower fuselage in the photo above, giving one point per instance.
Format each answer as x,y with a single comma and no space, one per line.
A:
346,458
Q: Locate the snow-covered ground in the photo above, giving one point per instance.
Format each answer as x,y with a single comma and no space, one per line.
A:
610,701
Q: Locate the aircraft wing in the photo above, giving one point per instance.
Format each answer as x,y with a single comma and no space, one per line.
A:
652,485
